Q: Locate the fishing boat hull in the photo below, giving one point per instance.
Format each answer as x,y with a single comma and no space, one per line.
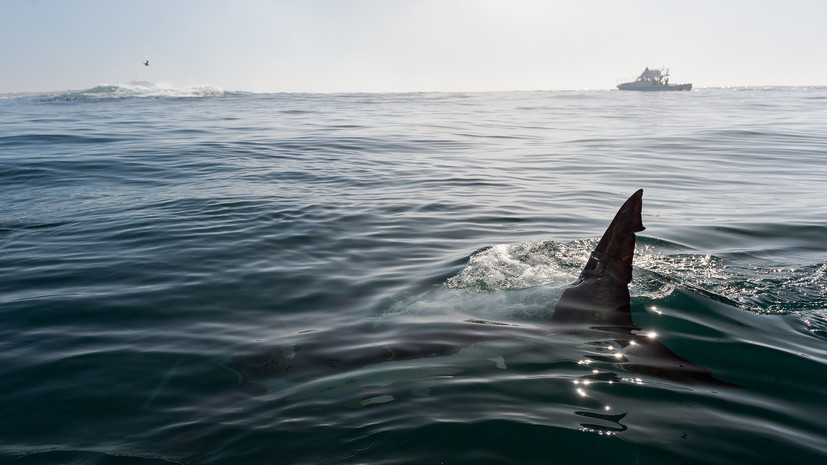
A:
653,87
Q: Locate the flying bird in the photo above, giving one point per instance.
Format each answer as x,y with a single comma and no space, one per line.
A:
146,63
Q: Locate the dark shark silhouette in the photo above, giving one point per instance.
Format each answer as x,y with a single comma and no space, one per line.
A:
597,304
600,299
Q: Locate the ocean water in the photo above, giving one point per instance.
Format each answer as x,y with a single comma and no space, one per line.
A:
165,252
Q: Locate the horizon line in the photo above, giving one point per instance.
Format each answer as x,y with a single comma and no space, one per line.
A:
21,94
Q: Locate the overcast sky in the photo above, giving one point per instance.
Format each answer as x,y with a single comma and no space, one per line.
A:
408,45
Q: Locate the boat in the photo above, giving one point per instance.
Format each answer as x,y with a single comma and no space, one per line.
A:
653,80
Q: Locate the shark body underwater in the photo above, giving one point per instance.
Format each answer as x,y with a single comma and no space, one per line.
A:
597,305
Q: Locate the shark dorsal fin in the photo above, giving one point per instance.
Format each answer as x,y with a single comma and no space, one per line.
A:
616,248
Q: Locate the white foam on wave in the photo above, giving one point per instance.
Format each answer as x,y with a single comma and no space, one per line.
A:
521,266
139,89
524,280
504,282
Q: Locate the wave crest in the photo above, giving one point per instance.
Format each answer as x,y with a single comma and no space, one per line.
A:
137,89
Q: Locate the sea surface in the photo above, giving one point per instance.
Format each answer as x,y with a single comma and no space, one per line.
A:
163,250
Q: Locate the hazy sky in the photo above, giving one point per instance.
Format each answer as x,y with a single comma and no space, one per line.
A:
408,45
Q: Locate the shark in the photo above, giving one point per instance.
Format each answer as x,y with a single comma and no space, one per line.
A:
597,306
600,301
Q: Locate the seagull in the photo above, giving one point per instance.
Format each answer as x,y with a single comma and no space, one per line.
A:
146,63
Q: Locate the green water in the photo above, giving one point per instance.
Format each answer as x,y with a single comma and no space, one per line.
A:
146,242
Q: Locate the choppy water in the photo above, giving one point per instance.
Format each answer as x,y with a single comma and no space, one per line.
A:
153,239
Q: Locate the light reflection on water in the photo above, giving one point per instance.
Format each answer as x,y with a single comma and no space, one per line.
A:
145,243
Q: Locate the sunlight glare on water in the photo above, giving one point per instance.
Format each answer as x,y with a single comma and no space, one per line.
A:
190,276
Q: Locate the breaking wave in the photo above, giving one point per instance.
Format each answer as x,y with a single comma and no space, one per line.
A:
135,89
